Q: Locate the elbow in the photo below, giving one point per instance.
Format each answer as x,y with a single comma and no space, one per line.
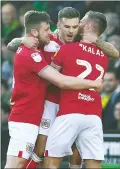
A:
10,47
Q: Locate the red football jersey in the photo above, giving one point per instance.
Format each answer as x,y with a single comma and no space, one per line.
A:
53,92
29,90
85,61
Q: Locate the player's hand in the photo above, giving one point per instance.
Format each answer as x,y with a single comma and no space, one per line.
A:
55,33
30,42
98,85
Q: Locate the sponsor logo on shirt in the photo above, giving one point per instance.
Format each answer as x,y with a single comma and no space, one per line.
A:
85,97
29,147
45,123
36,57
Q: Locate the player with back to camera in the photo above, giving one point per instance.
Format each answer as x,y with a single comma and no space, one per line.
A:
80,112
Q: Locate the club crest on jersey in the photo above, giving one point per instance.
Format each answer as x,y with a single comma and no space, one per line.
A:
29,147
45,123
36,57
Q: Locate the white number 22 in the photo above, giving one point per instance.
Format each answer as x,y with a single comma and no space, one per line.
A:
89,69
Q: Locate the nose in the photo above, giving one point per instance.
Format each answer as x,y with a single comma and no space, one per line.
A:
71,30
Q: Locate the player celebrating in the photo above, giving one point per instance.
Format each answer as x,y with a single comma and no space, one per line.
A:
68,23
29,90
68,20
79,116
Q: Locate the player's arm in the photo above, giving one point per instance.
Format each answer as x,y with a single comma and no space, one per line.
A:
62,81
68,82
37,64
30,42
58,68
14,44
108,48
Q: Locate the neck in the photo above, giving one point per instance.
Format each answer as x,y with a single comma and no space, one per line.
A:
29,35
61,38
86,37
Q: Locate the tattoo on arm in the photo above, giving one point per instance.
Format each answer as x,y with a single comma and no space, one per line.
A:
108,48
14,44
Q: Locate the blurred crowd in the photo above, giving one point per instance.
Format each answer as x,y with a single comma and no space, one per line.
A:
13,26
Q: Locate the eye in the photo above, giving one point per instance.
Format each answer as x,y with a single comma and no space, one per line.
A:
47,29
75,26
66,26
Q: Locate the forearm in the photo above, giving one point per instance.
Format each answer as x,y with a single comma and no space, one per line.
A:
67,82
14,44
75,83
108,48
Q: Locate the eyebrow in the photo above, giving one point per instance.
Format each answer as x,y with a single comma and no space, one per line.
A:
72,26
76,25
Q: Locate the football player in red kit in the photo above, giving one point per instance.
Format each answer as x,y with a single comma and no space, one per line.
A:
79,115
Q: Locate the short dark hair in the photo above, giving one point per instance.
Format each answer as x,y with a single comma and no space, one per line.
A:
99,18
33,18
68,12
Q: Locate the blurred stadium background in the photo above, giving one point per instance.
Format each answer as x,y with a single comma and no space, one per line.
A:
12,26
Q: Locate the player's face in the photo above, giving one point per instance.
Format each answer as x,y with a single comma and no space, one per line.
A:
68,29
83,24
43,33
86,25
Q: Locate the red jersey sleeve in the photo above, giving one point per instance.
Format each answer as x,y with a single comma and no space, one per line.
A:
37,62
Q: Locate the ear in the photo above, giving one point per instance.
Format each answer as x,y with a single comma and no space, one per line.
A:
89,25
34,32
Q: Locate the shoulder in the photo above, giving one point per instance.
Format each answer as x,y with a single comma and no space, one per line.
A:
69,46
22,51
26,53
